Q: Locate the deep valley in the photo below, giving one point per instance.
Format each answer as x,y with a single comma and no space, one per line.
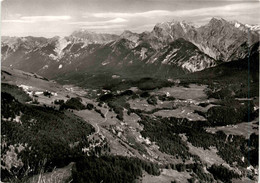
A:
177,104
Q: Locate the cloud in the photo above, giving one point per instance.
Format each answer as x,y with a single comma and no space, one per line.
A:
101,27
243,12
35,19
17,21
46,18
115,17
234,9
147,14
117,20
230,10
107,22
141,21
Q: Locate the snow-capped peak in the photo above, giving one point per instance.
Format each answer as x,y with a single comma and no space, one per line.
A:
253,27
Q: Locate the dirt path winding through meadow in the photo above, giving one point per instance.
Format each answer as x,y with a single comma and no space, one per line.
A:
94,121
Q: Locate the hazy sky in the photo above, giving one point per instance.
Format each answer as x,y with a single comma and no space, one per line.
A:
61,17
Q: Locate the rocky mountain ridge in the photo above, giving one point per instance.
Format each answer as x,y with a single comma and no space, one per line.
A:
169,45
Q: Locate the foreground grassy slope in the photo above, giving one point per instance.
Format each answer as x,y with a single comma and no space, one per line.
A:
15,91
47,137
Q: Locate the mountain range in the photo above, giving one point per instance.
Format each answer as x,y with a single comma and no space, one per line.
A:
170,49
177,104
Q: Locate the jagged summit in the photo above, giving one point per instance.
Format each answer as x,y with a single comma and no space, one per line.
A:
127,32
130,36
216,19
93,37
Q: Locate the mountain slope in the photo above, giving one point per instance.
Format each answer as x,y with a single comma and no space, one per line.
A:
222,38
184,54
219,38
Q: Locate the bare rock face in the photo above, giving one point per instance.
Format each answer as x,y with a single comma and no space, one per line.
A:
130,36
219,38
241,52
184,54
222,38
166,32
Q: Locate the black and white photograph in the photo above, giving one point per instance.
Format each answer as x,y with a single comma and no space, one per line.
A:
130,91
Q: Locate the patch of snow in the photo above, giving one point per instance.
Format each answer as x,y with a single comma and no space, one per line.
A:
250,167
85,44
206,50
115,76
119,134
165,61
53,56
237,25
60,66
153,60
25,87
141,139
38,93
190,67
253,27
45,67
193,65
54,94
169,56
147,141
105,63
143,51
183,27
30,93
